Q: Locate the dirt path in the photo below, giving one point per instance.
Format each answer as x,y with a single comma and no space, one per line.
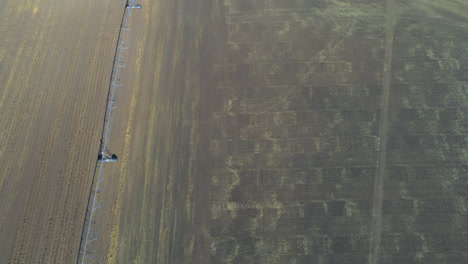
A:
376,228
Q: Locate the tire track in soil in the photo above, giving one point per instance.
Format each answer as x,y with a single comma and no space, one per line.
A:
376,228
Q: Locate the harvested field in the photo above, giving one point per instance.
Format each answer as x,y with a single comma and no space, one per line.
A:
55,61
259,131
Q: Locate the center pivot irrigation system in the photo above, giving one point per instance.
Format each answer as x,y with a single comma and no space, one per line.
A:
104,156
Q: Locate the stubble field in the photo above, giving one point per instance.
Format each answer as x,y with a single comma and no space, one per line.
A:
260,131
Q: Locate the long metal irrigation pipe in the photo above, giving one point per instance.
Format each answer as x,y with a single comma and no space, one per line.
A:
107,129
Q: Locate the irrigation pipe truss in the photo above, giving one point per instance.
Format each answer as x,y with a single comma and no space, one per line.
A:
104,155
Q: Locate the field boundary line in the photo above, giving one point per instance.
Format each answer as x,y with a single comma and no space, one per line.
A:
377,202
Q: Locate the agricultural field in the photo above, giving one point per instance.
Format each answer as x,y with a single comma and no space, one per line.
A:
248,131
55,61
